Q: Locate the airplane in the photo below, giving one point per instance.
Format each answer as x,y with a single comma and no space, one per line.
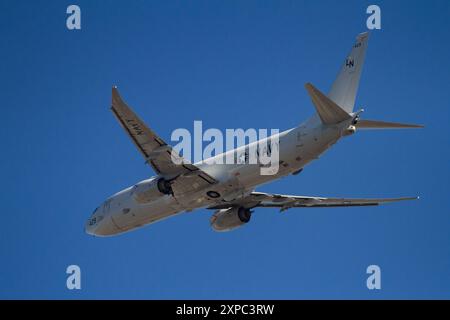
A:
229,189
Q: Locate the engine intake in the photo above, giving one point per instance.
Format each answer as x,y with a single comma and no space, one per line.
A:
229,219
164,186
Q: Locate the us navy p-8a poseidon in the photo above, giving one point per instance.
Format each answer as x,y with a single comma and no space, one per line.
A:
230,189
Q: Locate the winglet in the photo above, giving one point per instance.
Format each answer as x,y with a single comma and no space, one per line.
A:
115,97
329,112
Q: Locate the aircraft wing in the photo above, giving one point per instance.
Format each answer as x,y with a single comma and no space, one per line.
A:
284,202
156,152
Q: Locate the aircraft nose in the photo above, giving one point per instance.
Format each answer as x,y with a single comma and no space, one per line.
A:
89,228
101,228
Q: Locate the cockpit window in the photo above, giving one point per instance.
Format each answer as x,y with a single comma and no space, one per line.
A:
95,210
92,221
95,220
106,205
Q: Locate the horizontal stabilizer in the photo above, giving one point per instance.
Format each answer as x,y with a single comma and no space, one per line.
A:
373,124
329,112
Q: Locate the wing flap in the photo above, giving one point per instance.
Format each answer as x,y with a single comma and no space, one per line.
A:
288,201
284,202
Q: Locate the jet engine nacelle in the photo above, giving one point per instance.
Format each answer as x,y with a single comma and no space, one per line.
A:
229,219
149,190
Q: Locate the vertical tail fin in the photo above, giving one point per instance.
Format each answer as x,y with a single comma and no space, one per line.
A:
344,89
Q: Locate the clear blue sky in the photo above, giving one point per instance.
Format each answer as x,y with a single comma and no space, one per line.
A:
231,64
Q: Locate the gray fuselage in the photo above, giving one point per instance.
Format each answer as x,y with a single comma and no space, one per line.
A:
124,211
